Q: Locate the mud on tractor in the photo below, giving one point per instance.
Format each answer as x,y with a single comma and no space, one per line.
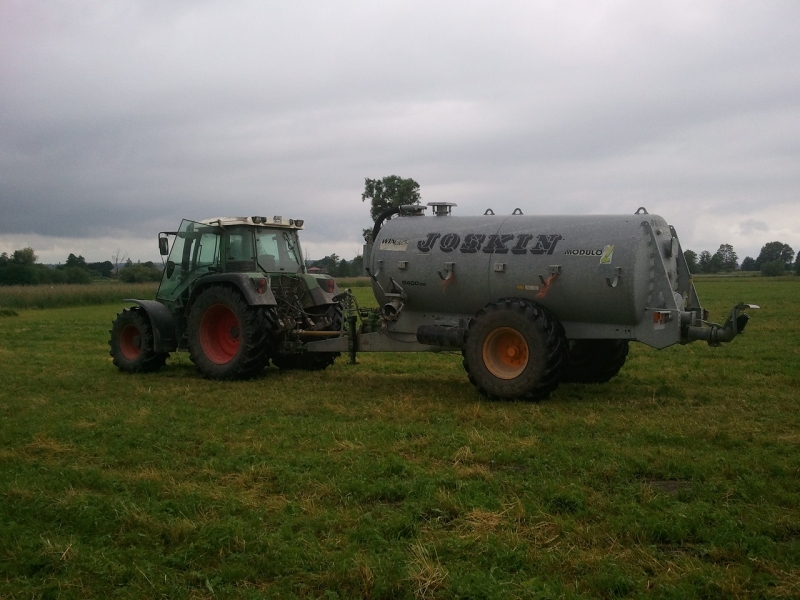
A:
529,302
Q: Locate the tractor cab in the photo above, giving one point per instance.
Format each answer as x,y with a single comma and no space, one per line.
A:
251,245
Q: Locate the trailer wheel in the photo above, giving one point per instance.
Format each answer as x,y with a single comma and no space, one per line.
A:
312,361
514,350
595,361
132,343
227,338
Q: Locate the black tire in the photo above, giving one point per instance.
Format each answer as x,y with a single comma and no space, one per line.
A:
312,361
595,361
132,343
228,338
514,350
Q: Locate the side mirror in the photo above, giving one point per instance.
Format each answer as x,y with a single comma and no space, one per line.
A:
163,245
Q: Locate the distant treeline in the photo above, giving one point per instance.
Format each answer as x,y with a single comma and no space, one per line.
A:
775,259
21,268
333,265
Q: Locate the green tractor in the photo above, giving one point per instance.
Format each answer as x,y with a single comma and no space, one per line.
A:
236,294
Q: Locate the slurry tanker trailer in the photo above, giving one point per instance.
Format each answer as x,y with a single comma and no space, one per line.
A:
529,301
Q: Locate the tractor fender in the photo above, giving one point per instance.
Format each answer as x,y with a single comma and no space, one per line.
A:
162,322
243,282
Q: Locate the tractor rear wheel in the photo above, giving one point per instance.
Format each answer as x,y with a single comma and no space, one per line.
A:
228,338
595,361
132,343
514,350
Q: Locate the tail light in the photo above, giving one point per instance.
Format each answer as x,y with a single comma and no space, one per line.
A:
328,285
261,285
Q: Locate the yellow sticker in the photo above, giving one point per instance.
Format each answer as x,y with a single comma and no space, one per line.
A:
608,254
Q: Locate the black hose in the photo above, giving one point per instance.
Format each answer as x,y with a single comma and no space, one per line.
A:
381,218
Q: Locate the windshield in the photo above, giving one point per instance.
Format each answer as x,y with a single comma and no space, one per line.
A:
194,248
278,251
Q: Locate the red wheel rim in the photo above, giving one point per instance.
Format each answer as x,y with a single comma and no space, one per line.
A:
219,334
130,342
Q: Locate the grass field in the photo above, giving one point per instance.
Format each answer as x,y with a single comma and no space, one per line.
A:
98,292
393,478
60,296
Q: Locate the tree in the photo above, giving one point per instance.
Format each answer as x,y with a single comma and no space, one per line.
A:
775,251
691,261
797,264
76,261
76,275
24,257
749,264
704,262
101,269
138,273
118,258
716,264
21,268
357,266
727,259
773,268
389,192
343,270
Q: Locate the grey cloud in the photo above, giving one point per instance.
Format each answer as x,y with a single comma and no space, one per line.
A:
123,118
751,225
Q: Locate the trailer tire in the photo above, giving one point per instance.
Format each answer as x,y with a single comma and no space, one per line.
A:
514,350
312,361
132,343
594,361
228,338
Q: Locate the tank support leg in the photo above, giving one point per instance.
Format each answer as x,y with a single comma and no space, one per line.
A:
352,341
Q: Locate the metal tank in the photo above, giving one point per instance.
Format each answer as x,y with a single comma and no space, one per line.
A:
601,276
530,301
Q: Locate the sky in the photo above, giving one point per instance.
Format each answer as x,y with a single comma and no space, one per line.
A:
119,119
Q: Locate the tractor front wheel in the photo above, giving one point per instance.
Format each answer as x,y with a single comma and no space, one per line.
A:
514,350
228,339
132,343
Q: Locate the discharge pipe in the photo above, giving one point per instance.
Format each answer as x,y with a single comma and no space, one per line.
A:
716,334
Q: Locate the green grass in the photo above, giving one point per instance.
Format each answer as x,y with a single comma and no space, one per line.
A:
64,295
393,478
99,292
353,282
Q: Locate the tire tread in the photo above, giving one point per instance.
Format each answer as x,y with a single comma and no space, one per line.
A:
148,360
554,343
257,324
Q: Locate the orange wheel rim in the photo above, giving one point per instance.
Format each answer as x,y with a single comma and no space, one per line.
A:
505,353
